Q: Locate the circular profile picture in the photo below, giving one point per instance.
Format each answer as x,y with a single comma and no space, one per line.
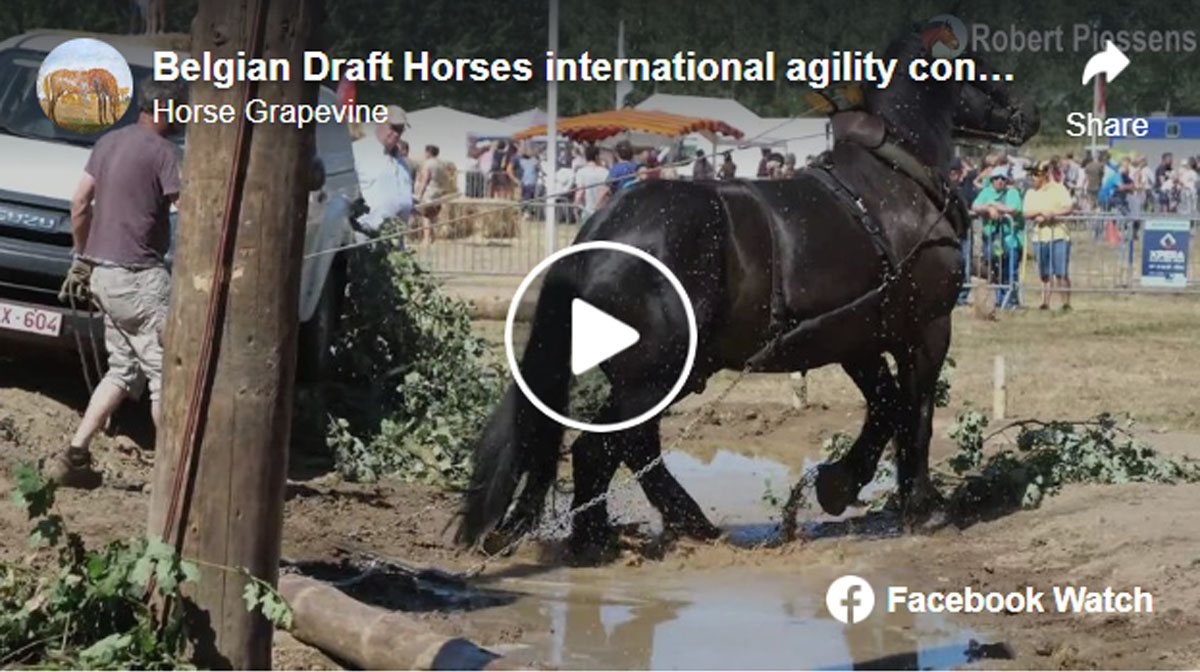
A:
945,36
84,85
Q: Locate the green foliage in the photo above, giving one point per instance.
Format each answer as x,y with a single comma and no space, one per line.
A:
73,607
412,383
1048,455
836,446
86,608
941,393
967,434
587,394
262,596
984,473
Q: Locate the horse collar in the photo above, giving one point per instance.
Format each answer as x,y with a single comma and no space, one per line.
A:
870,132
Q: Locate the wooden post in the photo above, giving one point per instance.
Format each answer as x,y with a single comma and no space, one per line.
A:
999,389
234,515
799,387
371,638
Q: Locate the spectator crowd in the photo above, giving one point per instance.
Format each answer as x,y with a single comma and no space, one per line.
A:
1021,206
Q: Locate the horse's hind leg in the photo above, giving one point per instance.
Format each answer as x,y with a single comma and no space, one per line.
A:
839,482
594,460
681,514
919,369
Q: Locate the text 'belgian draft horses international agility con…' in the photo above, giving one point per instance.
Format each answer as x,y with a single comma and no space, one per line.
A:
854,258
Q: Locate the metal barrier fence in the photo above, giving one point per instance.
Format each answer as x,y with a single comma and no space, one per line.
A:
482,236
1105,255
494,237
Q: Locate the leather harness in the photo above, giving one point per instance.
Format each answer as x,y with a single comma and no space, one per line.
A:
869,132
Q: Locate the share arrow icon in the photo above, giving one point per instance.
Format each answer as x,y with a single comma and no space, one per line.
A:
1109,62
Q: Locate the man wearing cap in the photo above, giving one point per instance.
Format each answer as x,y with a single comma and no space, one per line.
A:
999,205
1044,204
383,174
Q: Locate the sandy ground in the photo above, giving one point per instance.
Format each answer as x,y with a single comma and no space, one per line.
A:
1132,355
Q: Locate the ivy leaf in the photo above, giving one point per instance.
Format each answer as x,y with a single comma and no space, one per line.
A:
143,569
104,652
47,531
261,596
33,492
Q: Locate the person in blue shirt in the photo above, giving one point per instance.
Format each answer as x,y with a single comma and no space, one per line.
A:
999,207
624,172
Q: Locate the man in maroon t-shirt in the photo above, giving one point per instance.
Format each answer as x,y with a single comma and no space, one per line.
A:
119,216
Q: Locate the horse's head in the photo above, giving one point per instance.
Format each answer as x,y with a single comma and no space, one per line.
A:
924,115
994,110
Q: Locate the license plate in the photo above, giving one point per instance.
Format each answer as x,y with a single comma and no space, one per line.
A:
32,320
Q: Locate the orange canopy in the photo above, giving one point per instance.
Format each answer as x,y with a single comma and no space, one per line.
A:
601,125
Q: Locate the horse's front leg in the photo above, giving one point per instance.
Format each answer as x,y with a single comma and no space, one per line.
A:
839,482
919,369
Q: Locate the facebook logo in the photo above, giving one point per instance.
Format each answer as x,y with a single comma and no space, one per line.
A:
850,599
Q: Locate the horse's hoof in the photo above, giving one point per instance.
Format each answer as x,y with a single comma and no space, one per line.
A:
703,530
835,488
699,529
926,511
497,541
592,546
926,522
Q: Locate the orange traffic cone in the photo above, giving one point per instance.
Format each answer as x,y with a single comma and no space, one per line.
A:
1111,235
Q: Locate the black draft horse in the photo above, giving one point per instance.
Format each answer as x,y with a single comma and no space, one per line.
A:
841,264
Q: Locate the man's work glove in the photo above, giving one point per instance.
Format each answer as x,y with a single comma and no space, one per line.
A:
78,282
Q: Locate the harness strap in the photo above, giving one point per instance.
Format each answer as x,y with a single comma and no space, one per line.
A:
827,175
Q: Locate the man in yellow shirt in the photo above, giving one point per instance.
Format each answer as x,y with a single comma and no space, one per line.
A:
1044,204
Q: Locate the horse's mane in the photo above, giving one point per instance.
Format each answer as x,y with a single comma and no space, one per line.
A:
917,113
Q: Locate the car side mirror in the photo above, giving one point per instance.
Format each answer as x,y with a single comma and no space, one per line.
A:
316,174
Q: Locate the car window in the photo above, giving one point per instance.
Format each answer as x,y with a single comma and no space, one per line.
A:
21,112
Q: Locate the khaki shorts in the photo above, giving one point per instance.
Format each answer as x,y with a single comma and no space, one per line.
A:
134,303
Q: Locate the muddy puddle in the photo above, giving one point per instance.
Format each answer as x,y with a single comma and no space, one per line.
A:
721,618
663,617
670,614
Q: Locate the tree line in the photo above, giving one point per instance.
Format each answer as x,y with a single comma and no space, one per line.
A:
489,29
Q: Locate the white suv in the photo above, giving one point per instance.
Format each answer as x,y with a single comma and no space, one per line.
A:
40,164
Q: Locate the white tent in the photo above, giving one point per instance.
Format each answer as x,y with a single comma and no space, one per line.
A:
802,136
534,116
727,110
449,129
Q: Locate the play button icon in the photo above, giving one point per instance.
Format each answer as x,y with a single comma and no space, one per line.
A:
596,336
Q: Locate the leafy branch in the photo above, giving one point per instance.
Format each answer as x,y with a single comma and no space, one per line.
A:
74,607
412,383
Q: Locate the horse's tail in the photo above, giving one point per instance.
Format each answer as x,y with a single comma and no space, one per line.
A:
520,441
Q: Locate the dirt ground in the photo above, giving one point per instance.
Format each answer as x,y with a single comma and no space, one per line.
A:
1133,355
